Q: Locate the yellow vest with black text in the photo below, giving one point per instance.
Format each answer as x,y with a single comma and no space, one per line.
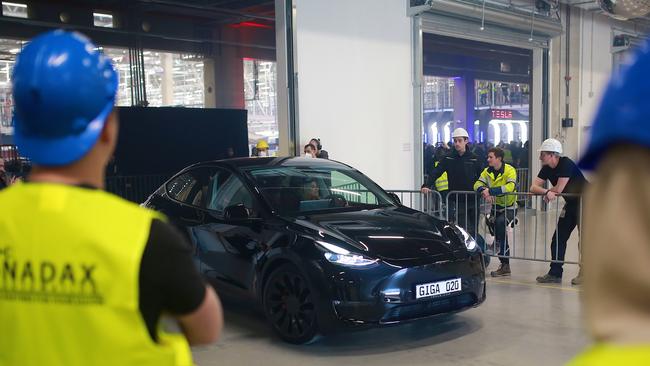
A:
69,280
507,180
442,184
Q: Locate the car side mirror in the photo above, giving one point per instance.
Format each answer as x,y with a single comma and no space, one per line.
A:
395,198
236,212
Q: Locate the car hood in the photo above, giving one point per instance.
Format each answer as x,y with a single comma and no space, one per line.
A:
396,233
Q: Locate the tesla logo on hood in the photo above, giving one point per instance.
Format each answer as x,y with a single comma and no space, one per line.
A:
426,250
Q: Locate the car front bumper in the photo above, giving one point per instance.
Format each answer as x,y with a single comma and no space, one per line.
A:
386,295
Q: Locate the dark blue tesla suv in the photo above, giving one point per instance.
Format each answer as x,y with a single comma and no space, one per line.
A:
319,245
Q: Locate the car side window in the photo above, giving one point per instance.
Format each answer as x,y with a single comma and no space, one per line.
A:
191,187
226,189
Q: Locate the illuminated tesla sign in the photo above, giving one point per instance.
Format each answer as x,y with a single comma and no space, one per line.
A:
501,114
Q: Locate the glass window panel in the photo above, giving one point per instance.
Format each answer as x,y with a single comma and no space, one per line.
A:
173,79
120,58
260,78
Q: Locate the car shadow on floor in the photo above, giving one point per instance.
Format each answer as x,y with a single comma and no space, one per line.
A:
247,322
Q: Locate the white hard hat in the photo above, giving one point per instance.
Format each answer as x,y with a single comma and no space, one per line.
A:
551,145
460,132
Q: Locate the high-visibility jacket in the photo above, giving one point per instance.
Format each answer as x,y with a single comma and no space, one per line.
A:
442,184
499,182
69,280
606,355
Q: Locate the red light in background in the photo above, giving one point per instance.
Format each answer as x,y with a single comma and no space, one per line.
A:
251,25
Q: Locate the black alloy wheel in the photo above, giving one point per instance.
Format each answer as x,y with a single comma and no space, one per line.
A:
289,305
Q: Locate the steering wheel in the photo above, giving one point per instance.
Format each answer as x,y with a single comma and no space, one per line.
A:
337,200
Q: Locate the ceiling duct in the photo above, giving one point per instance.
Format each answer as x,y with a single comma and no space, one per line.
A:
505,15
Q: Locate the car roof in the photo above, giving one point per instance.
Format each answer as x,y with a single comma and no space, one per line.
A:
262,162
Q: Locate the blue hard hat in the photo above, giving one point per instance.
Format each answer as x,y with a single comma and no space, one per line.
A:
622,116
64,89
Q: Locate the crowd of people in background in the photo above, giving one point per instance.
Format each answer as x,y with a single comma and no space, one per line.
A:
515,153
463,170
314,149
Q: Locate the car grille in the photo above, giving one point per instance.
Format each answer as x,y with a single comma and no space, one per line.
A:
427,308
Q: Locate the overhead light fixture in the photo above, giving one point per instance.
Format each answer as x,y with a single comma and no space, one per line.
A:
16,10
104,20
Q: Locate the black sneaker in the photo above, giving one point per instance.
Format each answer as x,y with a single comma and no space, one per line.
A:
547,278
504,270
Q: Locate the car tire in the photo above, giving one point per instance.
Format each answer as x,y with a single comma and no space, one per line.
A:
289,305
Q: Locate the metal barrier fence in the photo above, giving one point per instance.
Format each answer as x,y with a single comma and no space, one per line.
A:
429,203
528,230
134,188
521,232
522,178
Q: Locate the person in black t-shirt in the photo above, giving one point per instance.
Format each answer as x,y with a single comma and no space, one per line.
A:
565,177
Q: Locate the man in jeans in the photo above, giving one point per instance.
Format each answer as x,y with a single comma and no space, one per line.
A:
565,177
496,180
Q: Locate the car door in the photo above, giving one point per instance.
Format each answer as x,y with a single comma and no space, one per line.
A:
229,248
186,207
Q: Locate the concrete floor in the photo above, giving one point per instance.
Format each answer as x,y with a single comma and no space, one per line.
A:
521,323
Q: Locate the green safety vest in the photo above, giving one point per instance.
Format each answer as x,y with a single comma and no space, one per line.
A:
507,180
69,276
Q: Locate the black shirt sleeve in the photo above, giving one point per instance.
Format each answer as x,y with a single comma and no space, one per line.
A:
567,168
169,280
543,173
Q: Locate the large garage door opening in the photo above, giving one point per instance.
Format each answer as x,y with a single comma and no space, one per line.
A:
482,87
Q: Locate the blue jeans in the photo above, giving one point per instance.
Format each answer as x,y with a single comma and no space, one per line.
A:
503,218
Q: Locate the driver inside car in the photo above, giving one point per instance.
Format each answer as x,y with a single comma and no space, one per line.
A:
311,190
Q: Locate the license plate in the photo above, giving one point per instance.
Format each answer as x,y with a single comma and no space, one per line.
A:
437,288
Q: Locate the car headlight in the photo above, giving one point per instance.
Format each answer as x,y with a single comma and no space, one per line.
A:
338,255
470,243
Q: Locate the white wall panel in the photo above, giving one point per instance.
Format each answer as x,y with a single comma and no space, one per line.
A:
354,85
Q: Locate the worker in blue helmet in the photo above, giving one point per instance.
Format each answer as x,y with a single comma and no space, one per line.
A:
90,274
617,222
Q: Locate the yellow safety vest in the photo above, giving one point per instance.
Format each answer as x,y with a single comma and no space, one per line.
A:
607,355
507,180
441,183
69,276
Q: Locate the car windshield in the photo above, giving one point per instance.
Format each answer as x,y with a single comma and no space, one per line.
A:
295,191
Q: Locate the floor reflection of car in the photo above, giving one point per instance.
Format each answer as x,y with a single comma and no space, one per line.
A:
320,245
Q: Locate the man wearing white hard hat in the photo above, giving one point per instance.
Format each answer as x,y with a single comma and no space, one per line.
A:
565,177
463,168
